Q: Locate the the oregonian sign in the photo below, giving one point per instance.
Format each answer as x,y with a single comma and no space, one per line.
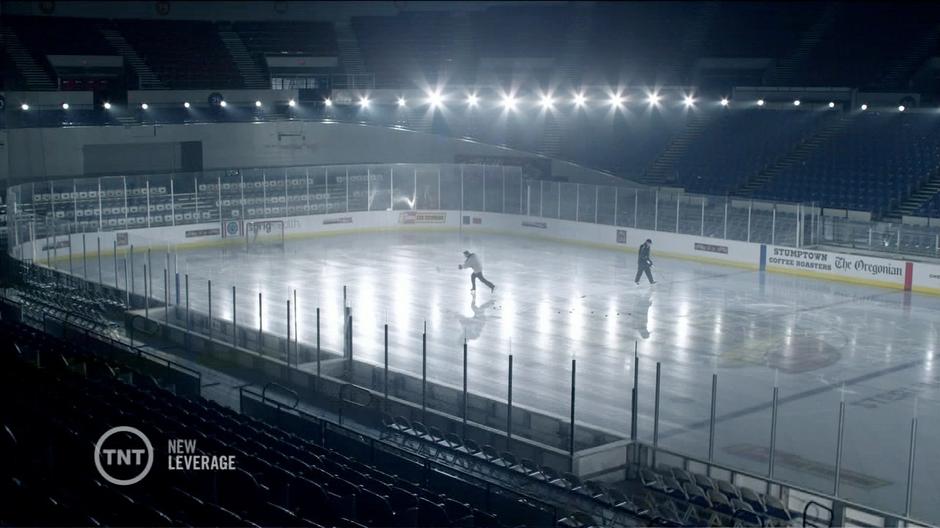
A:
848,265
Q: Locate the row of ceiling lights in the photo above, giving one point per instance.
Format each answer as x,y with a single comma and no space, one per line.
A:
508,102
145,106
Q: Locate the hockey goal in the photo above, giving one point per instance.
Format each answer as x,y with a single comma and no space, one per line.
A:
264,233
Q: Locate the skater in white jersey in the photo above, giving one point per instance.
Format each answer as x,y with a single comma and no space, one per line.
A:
473,262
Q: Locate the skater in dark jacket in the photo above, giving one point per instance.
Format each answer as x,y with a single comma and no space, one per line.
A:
644,263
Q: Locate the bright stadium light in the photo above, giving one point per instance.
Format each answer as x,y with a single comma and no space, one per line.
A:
292,103
223,104
24,107
326,102
146,106
257,104
547,102
65,106
901,108
688,101
509,102
435,99
107,105
472,100
616,101
760,102
653,98
402,102
579,100
724,101
364,101
796,102
864,107
186,104
832,104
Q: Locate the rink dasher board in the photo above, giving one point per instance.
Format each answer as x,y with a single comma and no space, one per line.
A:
859,269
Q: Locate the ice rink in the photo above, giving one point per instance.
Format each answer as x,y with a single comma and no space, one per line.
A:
819,341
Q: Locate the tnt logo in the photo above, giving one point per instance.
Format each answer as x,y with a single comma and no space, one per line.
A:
123,455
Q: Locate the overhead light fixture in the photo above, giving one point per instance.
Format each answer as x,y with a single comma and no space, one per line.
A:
24,107
435,99
146,106
326,102
257,104
724,101
292,103
579,100
688,101
223,104
760,102
186,104
509,102
832,104
472,100
652,98
364,101
616,101
901,108
107,105
402,102
864,107
796,102
547,101
65,106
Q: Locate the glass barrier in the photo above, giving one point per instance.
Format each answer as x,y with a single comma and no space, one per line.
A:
118,203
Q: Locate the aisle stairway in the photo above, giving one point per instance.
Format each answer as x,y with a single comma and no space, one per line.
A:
35,76
662,170
147,79
252,76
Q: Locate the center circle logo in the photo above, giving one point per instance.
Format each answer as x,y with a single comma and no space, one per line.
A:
124,457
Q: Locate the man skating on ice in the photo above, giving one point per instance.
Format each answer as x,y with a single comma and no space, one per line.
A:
644,263
473,262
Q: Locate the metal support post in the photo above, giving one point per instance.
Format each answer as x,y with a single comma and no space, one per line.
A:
132,270
146,296
209,294
839,439
318,347
127,293
636,207
656,413
725,235
750,206
711,419
115,265
234,320
166,297
910,464
656,211
702,225
509,404
100,280
385,384
424,375
773,226
84,258
188,324
773,432
465,400
260,326
571,419
287,347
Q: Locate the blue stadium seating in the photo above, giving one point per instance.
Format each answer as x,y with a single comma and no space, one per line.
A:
873,164
735,145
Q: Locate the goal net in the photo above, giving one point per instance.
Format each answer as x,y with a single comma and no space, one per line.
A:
264,233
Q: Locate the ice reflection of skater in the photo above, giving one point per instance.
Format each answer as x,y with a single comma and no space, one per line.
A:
473,326
641,314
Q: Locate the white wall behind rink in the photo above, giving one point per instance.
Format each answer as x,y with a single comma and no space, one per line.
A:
919,277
